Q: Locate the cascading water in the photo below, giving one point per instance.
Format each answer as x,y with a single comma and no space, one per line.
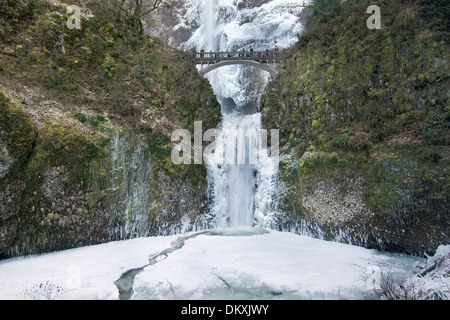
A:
129,187
242,193
208,16
233,182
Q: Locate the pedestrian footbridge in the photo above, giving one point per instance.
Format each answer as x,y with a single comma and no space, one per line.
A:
265,60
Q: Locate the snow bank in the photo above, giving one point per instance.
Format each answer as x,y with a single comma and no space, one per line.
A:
432,283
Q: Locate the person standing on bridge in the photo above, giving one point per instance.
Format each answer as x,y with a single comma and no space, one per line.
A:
202,53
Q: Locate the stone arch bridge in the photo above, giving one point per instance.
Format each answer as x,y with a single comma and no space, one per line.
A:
265,60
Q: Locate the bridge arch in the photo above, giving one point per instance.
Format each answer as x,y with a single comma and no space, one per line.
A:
256,64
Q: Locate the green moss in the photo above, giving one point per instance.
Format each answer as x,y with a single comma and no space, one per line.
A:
160,150
324,164
59,146
421,78
436,125
315,124
17,130
14,15
80,116
389,78
159,146
109,67
395,179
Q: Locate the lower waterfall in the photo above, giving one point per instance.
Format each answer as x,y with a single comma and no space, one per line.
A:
242,186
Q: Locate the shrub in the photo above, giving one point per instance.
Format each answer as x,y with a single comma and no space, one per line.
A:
44,291
80,116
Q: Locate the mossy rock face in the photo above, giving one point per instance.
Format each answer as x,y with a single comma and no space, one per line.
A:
177,204
18,12
60,146
55,211
17,137
371,104
79,190
397,203
135,78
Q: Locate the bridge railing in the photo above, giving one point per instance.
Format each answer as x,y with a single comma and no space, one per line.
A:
236,55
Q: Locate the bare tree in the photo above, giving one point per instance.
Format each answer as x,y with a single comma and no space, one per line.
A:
135,10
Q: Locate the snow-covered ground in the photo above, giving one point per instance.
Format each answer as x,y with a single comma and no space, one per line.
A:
223,264
82,273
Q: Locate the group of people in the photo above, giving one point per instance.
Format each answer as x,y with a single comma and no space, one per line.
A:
260,54
251,53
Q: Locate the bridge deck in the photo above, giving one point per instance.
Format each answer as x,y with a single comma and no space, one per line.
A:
258,56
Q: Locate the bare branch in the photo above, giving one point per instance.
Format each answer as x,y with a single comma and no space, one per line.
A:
156,5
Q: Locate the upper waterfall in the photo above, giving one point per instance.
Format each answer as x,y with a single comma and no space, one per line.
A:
230,24
208,27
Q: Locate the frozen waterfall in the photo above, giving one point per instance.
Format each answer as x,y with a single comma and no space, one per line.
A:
242,194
